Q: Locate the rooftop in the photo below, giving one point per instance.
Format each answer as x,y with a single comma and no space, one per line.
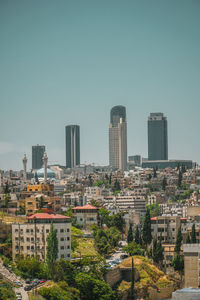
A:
47,216
88,206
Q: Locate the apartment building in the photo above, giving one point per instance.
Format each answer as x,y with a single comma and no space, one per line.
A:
30,239
125,202
165,227
86,215
40,201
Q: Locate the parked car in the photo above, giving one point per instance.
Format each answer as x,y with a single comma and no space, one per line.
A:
42,280
27,281
28,287
18,283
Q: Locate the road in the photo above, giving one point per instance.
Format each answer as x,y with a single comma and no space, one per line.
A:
10,276
117,254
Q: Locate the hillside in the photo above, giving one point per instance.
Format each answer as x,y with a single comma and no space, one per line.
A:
150,276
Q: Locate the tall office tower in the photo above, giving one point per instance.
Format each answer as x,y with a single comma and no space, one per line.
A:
157,137
37,156
72,138
118,138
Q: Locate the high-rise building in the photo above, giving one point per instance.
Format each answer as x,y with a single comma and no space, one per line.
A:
37,156
72,139
157,137
118,138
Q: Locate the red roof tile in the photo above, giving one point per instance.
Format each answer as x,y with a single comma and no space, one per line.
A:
47,216
88,206
154,219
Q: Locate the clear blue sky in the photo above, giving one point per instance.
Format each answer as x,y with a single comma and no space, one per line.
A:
69,61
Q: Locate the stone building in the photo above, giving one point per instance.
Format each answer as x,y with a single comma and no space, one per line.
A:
30,239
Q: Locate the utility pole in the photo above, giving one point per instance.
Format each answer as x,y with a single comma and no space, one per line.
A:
132,281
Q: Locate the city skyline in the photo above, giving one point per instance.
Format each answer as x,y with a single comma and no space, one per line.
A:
69,63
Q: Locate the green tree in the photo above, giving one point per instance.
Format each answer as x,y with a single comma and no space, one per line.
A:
154,209
133,249
179,178
178,241
146,231
52,250
91,288
118,221
137,235
130,234
7,199
157,252
164,183
154,173
116,186
6,188
188,241
64,270
104,217
193,235
178,263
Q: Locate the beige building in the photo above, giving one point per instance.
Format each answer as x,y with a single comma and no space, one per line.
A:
165,227
37,202
192,265
86,215
30,239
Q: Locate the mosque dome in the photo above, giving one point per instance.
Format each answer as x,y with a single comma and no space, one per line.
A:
50,173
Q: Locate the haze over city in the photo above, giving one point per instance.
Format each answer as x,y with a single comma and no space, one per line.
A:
70,62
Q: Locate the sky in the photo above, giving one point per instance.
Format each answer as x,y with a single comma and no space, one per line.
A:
70,61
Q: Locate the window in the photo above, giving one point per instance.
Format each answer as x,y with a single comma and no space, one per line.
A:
32,239
68,238
16,239
47,230
27,230
62,239
68,247
28,247
16,230
68,255
30,203
61,230
67,229
62,247
28,239
62,256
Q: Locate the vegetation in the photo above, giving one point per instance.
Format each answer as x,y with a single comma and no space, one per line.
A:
193,235
149,275
178,241
130,234
106,240
52,250
6,291
59,291
133,249
146,231
157,253
154,209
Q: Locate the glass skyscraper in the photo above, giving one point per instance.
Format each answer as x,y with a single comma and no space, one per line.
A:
118,138
37,156
72,139
157,137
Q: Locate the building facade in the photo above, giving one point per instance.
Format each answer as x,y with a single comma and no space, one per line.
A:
37,156
192,265
72,139
157,137
86,215
118,138
30,239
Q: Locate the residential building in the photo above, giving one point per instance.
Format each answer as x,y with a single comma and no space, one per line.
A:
165,228
41,201
72,139
37,156
47,189
30,239
118,138
157,137
86,215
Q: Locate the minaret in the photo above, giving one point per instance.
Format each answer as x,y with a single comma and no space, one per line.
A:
24,160
45,159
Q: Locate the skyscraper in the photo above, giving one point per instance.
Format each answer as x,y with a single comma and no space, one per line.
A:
72,139
118,138
157,137
37,156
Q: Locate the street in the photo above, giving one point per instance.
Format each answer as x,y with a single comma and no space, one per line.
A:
10,276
